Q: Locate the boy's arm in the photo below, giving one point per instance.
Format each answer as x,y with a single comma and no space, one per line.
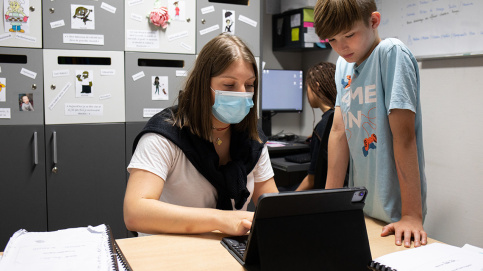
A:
338,153
407,166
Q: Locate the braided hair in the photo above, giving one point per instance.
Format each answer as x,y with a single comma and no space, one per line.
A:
321,80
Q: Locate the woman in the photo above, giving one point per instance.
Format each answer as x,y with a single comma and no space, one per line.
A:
206,153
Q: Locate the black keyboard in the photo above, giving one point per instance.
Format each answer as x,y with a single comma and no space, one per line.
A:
299,158
237,244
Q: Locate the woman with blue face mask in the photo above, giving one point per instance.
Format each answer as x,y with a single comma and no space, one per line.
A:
197,165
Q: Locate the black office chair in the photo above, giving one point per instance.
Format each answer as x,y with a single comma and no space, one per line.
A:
320,175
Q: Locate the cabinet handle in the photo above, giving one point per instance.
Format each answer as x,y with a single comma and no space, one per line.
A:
54,150
36,150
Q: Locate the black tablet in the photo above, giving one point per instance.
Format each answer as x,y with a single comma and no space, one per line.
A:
306,230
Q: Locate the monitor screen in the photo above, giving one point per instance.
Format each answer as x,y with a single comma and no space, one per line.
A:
282,90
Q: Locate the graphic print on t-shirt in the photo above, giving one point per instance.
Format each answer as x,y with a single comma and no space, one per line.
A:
354,118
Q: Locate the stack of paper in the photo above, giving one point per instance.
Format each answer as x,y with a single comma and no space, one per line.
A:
85,248
436,256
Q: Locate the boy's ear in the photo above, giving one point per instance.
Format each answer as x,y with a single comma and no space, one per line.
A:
375,19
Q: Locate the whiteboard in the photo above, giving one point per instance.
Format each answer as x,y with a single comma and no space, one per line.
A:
434,28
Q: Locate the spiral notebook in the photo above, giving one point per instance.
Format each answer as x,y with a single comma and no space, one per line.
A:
83,248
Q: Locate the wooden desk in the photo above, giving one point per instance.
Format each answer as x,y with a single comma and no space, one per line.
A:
204,251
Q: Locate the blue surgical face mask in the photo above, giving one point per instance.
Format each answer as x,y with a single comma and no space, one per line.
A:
231,106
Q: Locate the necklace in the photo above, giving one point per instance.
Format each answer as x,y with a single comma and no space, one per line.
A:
221,129
218,140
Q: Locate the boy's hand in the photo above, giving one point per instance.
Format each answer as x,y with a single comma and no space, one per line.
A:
406,228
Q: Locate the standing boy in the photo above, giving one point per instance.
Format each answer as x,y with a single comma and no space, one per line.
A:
377,122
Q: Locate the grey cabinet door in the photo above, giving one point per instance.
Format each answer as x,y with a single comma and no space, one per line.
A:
22,180
86,177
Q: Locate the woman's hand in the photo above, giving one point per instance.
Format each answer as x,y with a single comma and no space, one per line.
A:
236,222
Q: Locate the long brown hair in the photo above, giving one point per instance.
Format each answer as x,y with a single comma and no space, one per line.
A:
194,102
321,80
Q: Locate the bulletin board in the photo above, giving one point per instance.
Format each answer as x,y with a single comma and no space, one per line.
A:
434,28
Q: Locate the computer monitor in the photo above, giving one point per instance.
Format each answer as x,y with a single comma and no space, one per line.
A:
282,90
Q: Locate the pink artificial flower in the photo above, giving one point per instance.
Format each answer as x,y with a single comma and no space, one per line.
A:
159,17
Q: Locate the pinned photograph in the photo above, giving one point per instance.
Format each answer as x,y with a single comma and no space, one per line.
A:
160,88
84,83
3,89
26,102
82,17
177,10
16,17
229,21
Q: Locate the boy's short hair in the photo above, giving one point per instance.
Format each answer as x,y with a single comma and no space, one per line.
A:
332,17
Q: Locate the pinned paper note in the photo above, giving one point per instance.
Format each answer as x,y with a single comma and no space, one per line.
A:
16,16
3,89
84,83
26,102
56,24
59,96
135,2
138,76
60,73
6,36
229,21
178,35
160,88
186,46
295,34
24,37
209,29
136,17
177,10
247,20
208,9
83,39
28,73
149,112
108,72
108,7
5,113
84,109
181,73
142,39
82,17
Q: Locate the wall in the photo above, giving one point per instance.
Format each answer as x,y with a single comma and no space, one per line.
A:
451,92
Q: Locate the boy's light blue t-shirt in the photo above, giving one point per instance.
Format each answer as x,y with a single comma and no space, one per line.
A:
366,94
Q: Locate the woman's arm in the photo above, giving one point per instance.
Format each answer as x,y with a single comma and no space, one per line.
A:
144,212
261,188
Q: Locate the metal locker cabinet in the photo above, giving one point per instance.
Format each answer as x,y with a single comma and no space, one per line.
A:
141,70
15,32
246,18
85,138
83,86
178,37
22,155
86,178
83,24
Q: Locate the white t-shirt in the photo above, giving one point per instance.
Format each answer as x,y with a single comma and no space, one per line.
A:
184,185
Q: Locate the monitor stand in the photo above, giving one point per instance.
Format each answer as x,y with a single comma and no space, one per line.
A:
267,123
